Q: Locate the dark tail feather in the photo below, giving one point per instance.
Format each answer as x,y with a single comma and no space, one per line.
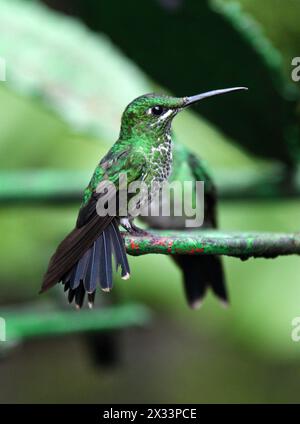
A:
200,272
79,295
80,270
95,266
91,277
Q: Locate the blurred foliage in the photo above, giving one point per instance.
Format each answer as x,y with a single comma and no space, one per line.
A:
194,46
89,97
52,144
280,24
45,59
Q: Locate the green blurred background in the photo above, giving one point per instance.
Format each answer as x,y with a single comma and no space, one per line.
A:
72,67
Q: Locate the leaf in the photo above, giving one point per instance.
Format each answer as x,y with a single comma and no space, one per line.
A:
196,46
82,75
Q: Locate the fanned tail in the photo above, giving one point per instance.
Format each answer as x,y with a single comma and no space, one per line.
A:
94,267
199,273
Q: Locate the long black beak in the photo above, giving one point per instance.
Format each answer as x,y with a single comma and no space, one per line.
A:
194,99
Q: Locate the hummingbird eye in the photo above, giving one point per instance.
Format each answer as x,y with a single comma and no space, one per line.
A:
156,110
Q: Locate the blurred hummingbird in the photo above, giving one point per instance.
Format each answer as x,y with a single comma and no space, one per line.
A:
143,152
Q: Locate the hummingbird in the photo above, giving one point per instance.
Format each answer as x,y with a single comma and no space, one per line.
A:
143,152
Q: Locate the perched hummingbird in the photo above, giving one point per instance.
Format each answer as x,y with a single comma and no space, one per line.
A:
143,152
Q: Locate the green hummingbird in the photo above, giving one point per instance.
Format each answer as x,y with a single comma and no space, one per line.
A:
143,152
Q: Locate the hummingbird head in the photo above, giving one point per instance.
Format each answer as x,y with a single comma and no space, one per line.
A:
153,113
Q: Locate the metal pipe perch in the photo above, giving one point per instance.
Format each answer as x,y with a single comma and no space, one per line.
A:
238,244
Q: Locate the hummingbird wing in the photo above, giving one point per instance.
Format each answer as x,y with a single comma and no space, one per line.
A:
89,224
127,162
